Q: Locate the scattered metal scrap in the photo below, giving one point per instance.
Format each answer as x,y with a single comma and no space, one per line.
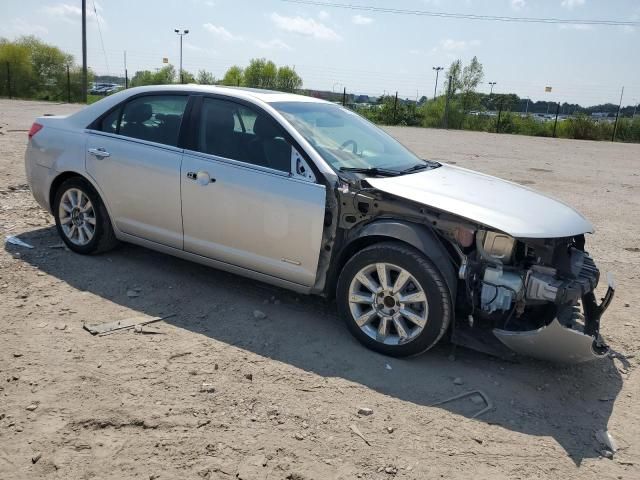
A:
484,396
355,430
12,239
119,325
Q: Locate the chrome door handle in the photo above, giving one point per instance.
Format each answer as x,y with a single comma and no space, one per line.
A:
201,177
99,153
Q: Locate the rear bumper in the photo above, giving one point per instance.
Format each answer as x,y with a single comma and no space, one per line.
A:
562,340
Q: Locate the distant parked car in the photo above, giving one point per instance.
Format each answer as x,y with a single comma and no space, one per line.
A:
307,195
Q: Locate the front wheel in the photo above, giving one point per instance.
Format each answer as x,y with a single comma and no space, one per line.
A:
393,299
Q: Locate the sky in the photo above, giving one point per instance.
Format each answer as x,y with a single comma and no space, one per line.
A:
367,52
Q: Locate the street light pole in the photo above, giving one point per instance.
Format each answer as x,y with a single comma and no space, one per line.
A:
437,69
492,85
85,87
181,34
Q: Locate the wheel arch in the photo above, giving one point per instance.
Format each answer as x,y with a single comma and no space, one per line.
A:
412,234
67,174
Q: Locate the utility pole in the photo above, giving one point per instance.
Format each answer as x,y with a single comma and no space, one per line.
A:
492,85
126,75
615,125
68,85
555,124
499,114
181,33
526,110
395,107
435,89
344,97
9,79
85,87
446,105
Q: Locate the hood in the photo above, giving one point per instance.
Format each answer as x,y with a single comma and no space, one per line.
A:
499,204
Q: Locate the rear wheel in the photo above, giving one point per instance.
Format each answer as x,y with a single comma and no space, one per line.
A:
393,299
81,218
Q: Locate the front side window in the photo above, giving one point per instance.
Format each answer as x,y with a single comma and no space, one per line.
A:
345,140
234,131
155,118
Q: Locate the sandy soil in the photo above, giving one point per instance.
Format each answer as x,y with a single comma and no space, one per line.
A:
286,389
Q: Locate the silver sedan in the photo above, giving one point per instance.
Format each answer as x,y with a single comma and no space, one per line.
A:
307,195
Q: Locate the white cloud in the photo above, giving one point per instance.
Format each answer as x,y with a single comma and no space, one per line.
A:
572,3
361,20
275,44
304,26
450,45
19,26
73,13
221,32
323,15
518,4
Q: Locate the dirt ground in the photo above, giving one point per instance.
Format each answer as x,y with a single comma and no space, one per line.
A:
283,392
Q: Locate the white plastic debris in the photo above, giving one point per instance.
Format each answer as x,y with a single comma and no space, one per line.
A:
605,438
387,366
12,239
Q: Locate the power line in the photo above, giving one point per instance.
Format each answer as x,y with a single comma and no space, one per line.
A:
467,16
95,11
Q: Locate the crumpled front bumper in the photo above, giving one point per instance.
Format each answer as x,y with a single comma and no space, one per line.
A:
556,342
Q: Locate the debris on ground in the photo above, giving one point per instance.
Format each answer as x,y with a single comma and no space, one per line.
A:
13,240
36,457
390,429
487,400
32,407
132,294
259,315
457,381
207,387
119,325
365,411
606,439
355,430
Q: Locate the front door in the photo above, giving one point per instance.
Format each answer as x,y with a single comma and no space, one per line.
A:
240,205
134,159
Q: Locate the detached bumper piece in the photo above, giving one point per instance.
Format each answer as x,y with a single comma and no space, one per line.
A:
564,340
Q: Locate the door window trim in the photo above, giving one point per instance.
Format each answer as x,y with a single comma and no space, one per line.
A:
193,127
94,126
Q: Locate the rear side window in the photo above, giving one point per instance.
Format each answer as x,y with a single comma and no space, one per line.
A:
155,118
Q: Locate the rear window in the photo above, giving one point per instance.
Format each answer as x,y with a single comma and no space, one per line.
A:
155,118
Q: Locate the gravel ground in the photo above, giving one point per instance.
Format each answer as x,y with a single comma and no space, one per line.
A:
282,393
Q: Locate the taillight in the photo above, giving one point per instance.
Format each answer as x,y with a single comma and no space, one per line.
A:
35,128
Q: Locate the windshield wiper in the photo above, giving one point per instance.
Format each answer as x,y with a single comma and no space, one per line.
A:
373,171
421,166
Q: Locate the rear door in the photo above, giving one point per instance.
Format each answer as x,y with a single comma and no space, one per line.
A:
240,202
133,156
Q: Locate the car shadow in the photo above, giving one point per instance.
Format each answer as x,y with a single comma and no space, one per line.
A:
568,403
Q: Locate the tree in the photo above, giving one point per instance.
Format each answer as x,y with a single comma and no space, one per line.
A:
233,77
260,73
39,70
163,76
471,77
188,77
288,80
205,78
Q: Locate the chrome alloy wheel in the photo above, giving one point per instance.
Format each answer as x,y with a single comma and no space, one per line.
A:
388,303
77,217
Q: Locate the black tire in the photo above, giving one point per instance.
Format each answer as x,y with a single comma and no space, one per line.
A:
104,238
427,275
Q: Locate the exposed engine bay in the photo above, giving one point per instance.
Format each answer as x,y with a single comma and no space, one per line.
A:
531,296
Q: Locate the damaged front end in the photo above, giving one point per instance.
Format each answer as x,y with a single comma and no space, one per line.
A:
536,296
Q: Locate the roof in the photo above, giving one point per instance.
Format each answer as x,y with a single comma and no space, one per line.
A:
268,96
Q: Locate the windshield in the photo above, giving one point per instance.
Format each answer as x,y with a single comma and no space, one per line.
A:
346,140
